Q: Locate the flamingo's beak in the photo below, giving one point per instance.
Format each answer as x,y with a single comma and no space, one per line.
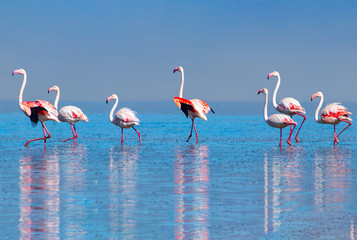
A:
176,69
261,90
106,101
313,96
270,75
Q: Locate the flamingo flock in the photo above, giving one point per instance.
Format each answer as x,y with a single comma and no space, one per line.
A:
41,111
333,113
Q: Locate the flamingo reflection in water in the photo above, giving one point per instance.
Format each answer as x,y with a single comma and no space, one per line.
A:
75,224
332,188
123,178
39,196
297,190
331,174
283,181
191,193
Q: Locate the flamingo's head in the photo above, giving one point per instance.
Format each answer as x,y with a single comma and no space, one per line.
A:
19,71
318,94
180,69
273,74
264,90
114,96
54,88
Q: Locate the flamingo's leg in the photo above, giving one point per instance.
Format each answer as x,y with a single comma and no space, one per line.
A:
281,136
349,124
75,130
296,137
48,133
138,134
44,133
74,133
122,136
195,130
291,132
334,135
191,131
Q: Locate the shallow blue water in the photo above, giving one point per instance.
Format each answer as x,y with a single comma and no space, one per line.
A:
236,183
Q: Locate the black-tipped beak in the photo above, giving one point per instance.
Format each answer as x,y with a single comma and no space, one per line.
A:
268,77
48,91
106,101
174,71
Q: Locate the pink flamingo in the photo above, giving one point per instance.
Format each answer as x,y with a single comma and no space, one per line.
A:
277,120
124,118
333,114
289,106
38,110
193,108
69,114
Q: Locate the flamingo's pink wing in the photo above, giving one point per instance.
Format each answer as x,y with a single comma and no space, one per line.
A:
185,105
203,105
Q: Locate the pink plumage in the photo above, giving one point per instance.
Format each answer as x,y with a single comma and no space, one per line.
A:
277,120
192,108
37,111
333,113
288,105
69,114
124,118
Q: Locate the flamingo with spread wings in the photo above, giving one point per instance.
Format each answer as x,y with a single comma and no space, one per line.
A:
191,108
37,111
333,113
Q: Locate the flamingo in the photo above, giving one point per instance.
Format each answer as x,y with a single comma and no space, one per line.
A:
333,114
69,114
193,108
38,110
277,120
124,118
289,106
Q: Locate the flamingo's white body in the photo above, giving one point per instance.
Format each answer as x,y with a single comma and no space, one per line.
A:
124,117
69,114
277,120
333,114
37,111
192,108
289,106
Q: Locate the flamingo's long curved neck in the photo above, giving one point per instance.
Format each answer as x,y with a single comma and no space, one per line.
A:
182,81
318,109
112,111
57,98
266,107
22,91
276,91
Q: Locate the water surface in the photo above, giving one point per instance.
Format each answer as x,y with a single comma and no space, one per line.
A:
235,184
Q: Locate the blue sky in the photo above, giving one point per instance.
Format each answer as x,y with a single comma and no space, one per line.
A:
91,49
